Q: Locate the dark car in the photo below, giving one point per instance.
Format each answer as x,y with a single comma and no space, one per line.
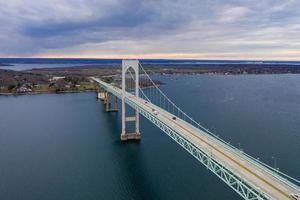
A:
295,196
174,118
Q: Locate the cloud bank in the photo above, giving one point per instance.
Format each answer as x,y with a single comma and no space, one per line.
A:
193,29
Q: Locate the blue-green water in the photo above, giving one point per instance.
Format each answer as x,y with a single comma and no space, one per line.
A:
67,147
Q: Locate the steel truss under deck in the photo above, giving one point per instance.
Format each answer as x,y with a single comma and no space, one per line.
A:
244,189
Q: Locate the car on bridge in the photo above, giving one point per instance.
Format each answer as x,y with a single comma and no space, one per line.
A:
295,196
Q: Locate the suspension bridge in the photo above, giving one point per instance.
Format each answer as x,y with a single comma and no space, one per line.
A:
249,177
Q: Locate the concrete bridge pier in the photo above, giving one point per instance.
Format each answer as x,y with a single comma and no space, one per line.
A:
110,102
133,64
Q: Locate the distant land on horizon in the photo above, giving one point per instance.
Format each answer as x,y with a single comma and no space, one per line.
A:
41,75
19,64
119,60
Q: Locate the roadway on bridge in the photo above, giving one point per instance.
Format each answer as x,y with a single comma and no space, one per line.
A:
266,182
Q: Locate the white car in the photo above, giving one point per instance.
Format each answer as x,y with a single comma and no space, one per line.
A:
155,112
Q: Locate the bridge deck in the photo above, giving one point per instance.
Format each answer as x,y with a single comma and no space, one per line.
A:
266,182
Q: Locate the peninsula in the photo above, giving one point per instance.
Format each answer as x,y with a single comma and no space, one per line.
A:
76,79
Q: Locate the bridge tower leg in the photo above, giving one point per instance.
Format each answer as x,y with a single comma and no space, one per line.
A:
133,64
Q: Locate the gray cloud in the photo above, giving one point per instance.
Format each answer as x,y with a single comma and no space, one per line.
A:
123,27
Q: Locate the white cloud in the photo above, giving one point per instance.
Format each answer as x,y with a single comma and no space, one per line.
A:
124,27
231,14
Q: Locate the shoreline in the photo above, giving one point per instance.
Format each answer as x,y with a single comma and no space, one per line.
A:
76,80
146,87
61,92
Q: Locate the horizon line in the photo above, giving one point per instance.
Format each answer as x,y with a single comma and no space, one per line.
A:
119,58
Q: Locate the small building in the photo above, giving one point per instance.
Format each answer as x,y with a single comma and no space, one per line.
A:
56,78
24,89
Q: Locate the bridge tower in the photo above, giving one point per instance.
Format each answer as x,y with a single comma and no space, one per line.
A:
126,65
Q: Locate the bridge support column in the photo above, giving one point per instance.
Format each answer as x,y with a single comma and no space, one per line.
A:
110,105
126,64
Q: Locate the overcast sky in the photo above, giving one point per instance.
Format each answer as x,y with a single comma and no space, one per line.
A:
195,29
